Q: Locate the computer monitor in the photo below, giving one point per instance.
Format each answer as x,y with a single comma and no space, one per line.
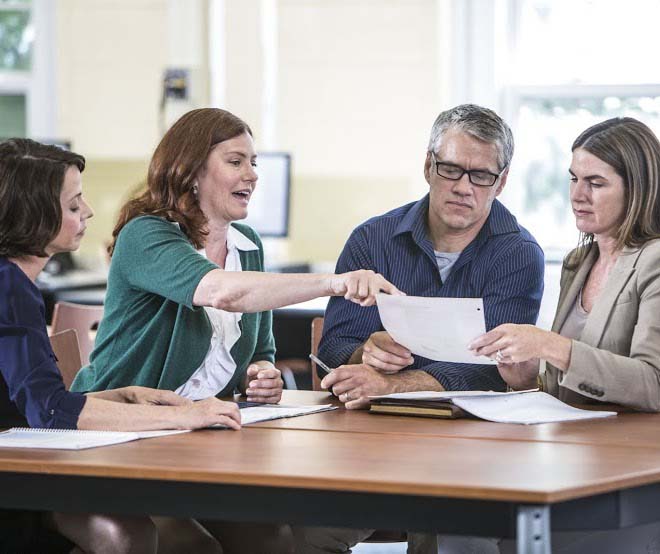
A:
268,212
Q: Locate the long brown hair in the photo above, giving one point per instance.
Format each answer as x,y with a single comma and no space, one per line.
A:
173,170
31,179
633,151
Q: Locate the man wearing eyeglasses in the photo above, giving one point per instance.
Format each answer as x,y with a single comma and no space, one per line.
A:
458,241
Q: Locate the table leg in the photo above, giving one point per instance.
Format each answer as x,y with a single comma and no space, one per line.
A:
533,530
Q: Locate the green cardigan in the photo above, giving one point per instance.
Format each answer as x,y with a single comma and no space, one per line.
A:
151,334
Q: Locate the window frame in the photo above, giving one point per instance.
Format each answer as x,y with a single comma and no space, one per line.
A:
483,38
39,83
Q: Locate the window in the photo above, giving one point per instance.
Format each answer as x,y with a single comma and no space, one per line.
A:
27,68
16,40
16,36
566,66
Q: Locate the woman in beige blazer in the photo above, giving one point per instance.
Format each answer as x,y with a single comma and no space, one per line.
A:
605,339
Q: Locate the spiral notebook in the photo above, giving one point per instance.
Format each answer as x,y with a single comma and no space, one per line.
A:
70,439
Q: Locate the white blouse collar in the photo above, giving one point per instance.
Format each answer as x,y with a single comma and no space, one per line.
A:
236,239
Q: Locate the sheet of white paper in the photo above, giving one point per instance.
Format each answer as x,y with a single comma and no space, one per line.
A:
436,328
255,414
534,407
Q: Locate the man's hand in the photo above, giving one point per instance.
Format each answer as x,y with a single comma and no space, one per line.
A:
155,397
520,376
264,383
353,384
384,354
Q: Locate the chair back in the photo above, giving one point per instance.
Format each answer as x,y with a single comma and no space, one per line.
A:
80,317
317,332
66,349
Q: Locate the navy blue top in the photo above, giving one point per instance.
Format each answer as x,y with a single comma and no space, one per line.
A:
31,387
503,265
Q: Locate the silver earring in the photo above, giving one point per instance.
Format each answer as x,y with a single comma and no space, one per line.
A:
195,189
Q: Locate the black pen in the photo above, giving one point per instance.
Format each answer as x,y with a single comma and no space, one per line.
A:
320,363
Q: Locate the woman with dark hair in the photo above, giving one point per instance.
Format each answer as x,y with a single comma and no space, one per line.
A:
605,340
43,212
188,303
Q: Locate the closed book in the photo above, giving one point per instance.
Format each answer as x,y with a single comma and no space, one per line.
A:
443,410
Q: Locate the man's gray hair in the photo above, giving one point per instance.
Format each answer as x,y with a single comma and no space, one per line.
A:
481,123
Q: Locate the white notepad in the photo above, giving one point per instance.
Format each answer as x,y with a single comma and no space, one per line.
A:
71,439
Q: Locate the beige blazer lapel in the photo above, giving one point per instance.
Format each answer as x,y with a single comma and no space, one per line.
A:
616,281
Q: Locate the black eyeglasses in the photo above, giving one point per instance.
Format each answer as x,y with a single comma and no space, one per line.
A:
478,177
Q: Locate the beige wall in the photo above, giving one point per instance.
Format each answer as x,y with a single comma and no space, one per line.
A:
357,91
110,61
110,57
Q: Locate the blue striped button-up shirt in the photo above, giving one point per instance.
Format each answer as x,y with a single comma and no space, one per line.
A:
503,265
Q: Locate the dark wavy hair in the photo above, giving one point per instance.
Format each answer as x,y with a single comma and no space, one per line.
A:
633,151
173,170
31,179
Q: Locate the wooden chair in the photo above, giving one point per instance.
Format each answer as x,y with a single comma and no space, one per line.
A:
67,351
317,332
80,317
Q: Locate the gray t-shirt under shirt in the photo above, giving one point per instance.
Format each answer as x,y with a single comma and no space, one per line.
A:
445,261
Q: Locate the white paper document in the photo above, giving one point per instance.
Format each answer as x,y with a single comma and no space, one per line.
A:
436,328
255,414
71,439
267,412
524,407
449,395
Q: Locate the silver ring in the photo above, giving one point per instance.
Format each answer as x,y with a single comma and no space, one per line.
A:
499,357
348,395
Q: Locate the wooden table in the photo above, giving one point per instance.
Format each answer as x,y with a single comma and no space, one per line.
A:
511,483
628,429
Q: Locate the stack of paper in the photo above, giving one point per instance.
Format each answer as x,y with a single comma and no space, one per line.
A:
524,407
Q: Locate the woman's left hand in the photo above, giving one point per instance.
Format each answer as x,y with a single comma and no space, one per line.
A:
154,397
511,343
264,383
